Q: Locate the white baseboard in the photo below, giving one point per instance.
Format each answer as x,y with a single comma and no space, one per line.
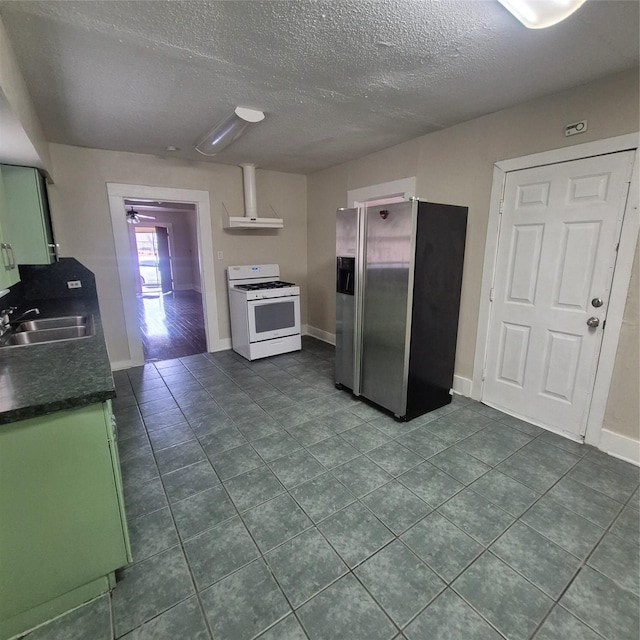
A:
314,332
121,364
223,345
462,386
187,287
619,446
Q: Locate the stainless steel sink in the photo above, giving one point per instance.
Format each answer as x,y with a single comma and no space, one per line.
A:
47,330
53,323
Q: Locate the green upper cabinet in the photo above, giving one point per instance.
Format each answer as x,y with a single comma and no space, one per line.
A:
8,273
25,221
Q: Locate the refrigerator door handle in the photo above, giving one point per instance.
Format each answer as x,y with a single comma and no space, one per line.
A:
359,299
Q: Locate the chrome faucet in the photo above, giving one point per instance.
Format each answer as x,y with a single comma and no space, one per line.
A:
6,319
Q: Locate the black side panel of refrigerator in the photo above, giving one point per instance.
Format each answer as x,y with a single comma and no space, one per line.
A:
440,240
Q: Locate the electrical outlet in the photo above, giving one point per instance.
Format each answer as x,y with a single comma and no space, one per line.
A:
74,284
220,256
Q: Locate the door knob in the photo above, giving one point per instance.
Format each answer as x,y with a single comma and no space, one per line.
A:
593,322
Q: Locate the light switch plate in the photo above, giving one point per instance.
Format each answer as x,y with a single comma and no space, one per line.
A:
575,128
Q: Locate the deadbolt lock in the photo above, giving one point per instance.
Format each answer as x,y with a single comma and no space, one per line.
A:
597,302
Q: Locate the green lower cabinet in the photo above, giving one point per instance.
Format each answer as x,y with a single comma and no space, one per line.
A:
62,525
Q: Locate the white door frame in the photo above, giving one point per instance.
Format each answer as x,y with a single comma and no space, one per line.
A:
621,275
117,193
402,189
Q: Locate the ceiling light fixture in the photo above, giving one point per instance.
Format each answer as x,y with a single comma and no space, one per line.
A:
133,217
540,14
228,131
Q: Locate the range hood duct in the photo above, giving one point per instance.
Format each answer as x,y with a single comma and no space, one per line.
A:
250,220
249,177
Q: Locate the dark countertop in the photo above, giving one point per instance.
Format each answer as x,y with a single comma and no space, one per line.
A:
43,378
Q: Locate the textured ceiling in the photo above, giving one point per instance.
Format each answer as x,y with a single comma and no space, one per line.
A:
337,79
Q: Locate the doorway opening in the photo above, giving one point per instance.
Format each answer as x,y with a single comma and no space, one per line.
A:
163,241
206,272
152,249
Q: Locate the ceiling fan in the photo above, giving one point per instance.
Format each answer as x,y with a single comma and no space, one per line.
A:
133,217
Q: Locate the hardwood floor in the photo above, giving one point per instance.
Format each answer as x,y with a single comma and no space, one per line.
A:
172,325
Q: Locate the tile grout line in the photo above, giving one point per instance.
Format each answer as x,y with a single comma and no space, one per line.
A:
184,555
263,555
584,563
181,544
352,570
556,601
359,499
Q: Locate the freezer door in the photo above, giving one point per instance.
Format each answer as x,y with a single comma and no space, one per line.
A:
347,229
387,292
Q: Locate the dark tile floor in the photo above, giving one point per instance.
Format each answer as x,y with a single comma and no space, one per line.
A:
172,325
264,503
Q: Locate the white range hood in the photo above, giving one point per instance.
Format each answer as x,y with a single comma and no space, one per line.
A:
250,219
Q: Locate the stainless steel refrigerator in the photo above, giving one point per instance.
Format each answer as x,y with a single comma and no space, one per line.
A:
398,280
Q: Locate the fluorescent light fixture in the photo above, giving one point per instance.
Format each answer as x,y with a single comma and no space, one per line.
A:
540,14
228,131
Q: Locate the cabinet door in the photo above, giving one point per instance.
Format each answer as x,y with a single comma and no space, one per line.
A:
8,273
387,272
60,522
112,436
28,224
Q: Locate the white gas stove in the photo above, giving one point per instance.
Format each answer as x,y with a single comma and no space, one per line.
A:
265,312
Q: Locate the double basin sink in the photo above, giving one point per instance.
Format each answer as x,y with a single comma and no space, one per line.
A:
47,330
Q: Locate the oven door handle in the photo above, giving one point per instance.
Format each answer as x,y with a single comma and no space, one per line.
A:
268,300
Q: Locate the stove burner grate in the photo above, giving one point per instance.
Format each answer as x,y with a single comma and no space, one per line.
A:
276,284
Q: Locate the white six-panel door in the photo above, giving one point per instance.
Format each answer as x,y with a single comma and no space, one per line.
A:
556,253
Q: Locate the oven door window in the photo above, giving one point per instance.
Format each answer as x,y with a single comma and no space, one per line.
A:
274,318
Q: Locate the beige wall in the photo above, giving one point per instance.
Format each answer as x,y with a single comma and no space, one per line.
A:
622,414
82,221
455,166
327,191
